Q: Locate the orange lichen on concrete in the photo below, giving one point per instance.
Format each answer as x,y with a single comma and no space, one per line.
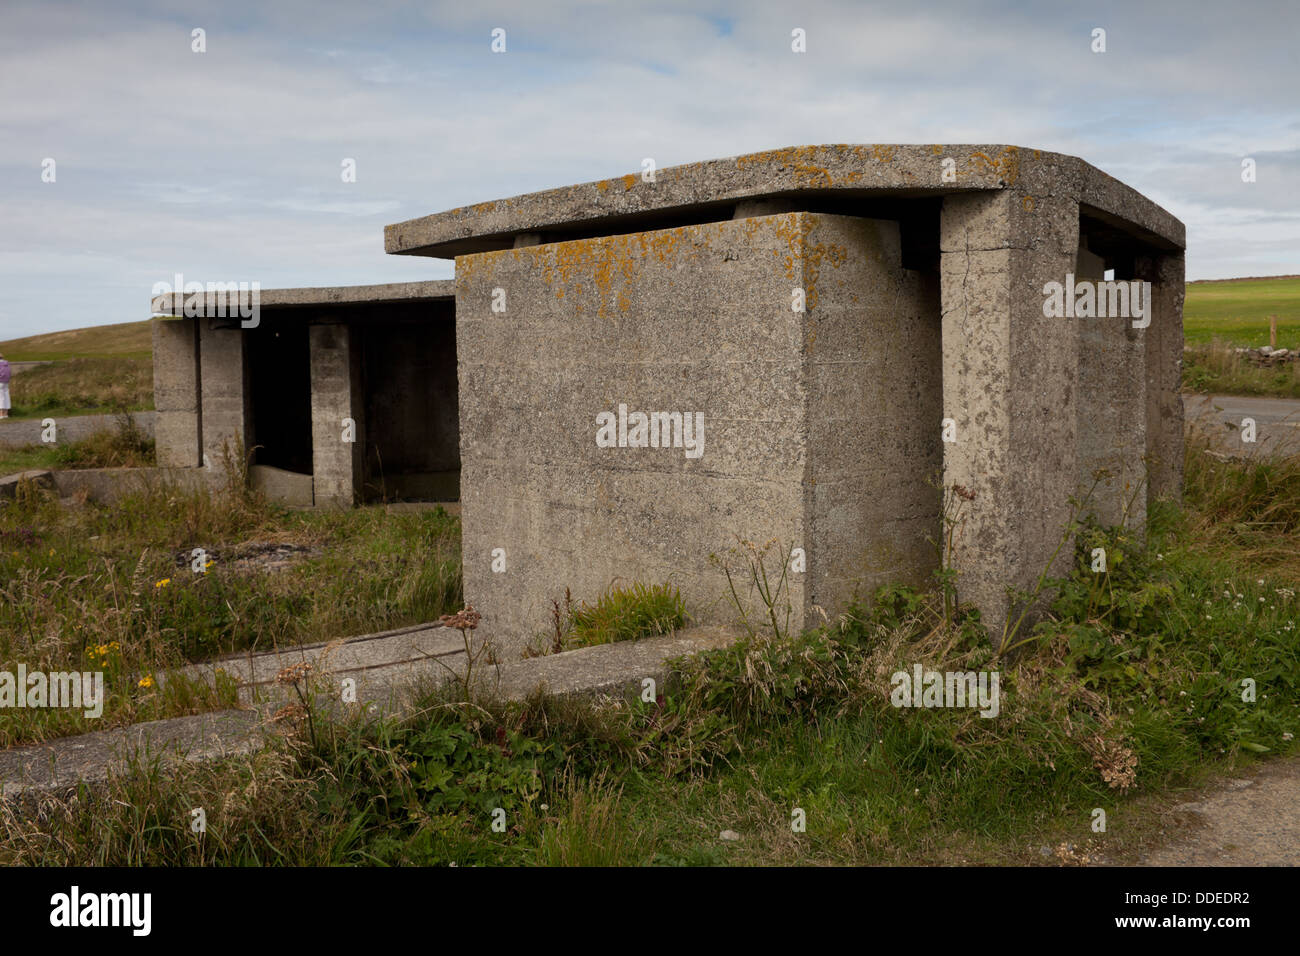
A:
883,154
612,263
603,185
629,181
1006,167
795,229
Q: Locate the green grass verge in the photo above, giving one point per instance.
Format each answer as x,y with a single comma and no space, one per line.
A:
78,579
83,386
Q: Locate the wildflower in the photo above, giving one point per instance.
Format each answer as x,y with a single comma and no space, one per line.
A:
163,583
465,620
293,674
146,681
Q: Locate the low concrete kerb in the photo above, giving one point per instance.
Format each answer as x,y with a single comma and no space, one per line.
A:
390,669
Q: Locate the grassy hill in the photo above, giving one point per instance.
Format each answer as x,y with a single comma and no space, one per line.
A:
123,340
1238,309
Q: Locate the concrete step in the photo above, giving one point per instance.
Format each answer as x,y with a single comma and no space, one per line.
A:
90,758
390,668
9,483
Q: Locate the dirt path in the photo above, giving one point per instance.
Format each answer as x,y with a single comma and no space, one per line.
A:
1252,820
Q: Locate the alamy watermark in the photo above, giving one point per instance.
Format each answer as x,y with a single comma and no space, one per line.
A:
1087,299
651,430
37,689
924,688
215,300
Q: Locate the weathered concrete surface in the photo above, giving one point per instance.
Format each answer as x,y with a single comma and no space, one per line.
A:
336,414
401,655
1010,385
18,433
176,392
610,669
107,485
39,478
61,764
316,296
224,386
389,669
820,426
1163,341
283,487
710,190
1112,410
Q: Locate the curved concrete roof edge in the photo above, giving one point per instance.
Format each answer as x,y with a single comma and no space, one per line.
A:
858,169
434,289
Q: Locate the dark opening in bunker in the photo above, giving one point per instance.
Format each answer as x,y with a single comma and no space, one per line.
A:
412,435
279,375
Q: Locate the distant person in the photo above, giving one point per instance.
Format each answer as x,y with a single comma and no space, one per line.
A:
5,373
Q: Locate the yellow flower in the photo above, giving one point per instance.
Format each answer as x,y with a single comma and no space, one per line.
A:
146,680
163,583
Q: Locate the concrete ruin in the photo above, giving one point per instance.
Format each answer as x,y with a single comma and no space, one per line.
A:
378,357
802,344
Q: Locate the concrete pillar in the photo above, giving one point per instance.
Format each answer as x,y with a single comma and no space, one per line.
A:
335,398
1111,409
1164,368
224,392
1010,384
176,392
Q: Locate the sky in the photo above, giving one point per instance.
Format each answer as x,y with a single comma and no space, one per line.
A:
227,164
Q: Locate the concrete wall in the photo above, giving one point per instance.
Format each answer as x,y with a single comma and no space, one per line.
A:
335,396
694,319
1164,363
176,392
1111,412
223,391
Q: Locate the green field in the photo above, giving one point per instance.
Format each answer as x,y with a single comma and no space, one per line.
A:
1237,310
123,340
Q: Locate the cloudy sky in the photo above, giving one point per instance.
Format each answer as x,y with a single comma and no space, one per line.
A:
225,165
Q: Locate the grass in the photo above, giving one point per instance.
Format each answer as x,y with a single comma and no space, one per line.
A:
83,386
126,446
1237,311
123,339
626,614
1131,685
1221,316
75,579
1217,369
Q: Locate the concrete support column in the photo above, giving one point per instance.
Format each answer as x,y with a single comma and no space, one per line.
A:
1164,368
176,392
1112,407
1010,384
224,389
335,398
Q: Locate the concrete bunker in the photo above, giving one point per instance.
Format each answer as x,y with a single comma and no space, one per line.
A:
337,395
832,311
860,329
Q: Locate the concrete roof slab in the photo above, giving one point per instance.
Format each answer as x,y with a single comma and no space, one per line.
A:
431,291
698,191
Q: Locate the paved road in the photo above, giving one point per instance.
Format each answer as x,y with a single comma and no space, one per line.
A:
1277,422
1252,821
27,431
